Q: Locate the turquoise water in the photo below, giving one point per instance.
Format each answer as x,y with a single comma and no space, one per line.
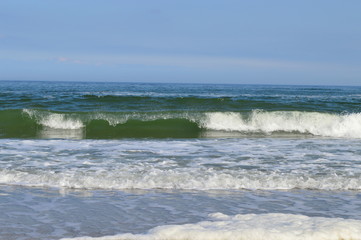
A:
179,161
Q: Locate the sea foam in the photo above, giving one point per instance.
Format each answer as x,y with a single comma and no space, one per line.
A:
256,121
273,226
206,164
146,177
55,120
315,123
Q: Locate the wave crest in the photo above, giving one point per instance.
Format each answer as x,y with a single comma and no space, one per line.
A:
202,124
315,123
55,120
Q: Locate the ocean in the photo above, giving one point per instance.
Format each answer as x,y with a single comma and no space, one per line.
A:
85,160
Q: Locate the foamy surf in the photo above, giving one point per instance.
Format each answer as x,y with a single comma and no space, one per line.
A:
188,164
147,177
55,120
198,124
314,123
273,226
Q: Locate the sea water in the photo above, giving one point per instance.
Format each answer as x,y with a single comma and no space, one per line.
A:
179,161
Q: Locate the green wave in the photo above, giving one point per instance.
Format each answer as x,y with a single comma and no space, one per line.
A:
161,128
14,124
30,123
95,125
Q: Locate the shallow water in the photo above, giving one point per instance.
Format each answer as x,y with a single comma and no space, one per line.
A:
40,213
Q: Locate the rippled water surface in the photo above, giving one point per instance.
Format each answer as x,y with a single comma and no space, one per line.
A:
179,161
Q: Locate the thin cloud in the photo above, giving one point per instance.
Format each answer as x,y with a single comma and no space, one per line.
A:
70,60
185,61
63,59
204,62
79,60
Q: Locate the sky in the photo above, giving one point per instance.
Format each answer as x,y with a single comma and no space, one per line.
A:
315,42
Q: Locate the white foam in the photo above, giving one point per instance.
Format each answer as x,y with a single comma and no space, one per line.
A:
315,123
183,164
266,122
58,121
55,120
273,226
147,177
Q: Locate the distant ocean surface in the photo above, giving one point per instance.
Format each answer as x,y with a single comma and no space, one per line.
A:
179,161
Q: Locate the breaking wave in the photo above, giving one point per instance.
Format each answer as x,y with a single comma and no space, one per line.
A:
314,123
98,125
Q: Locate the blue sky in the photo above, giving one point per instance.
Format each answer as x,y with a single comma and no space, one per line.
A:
224,41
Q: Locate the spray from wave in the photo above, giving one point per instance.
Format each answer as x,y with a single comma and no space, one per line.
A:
314,123
55,120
